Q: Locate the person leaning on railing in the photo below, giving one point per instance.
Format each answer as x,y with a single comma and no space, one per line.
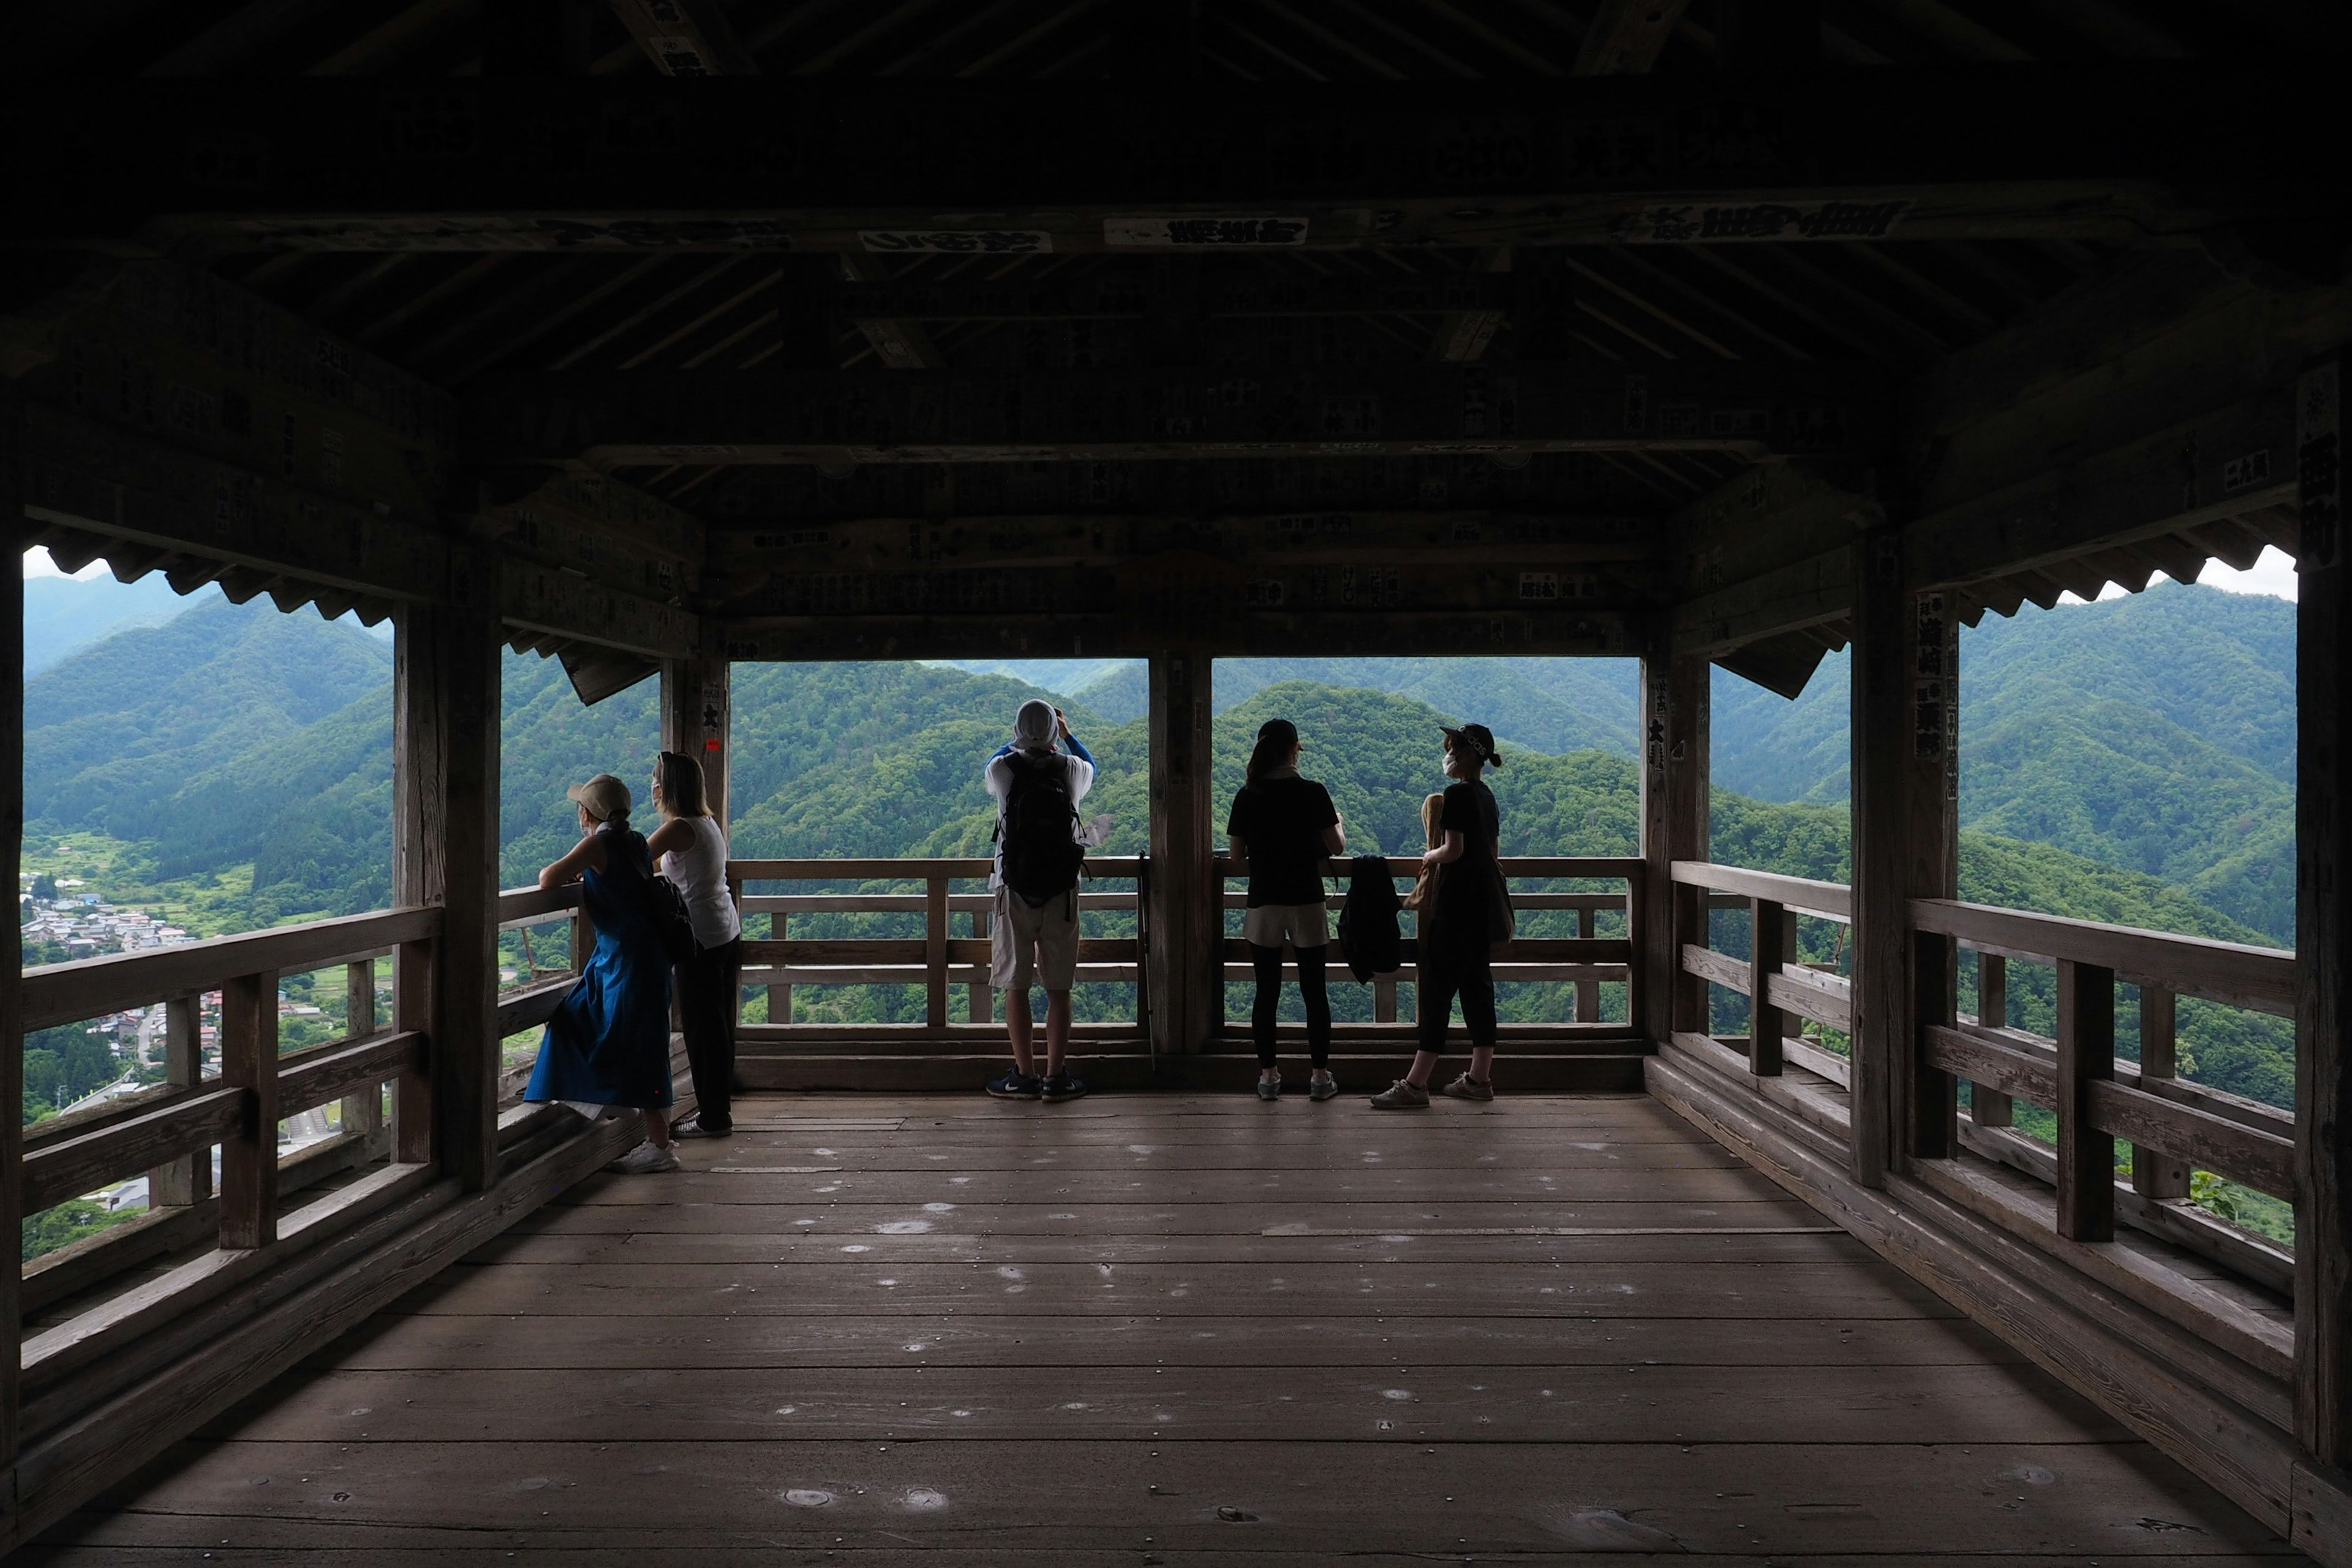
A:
607,1046
690,847
1460,916
1282,827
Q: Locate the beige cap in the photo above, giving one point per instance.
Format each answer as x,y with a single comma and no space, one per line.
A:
606,797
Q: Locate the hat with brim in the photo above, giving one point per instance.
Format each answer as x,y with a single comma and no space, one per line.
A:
605,797
1479,738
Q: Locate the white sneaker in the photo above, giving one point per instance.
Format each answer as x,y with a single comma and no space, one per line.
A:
1269,1089
644,1160
1322,1085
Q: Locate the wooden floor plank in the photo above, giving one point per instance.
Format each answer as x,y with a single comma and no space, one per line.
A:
402,1339
2092,1500
1633,1402
1064,1290
1166,1329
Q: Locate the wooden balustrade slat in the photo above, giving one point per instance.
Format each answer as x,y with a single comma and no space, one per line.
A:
411,1012
1769,927
2005,1067
1933,1109
1819,898
2261,1160
195,1121
1988,1107
248,1040
2043,1051
1721,968
89,987
935,953
2261,979
330,1072
2086,1057
2155,1173
187,1180
1826,999
532,1005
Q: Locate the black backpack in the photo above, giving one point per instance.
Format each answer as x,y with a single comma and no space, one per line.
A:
663,902
1369,937
1041,854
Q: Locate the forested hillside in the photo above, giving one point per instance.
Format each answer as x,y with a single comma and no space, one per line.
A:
2101,781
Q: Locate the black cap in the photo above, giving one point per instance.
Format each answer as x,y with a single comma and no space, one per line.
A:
1479,738
1278,730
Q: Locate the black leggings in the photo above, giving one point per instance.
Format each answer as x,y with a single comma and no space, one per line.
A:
1474,981
1268,961
707,985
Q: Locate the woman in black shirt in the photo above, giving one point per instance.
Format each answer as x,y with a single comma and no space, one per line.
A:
1456,933
1282,827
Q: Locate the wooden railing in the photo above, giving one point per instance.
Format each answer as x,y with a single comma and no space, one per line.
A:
533,999
1782,990
1586,961
2174,1126
939,961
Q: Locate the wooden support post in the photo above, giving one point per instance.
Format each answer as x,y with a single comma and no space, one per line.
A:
249,1038
2154,1174
935,953
2086,1054
360,1112
697,713
1384,999
979,1003
1588,991
1768,930
2322,1067
1935,1128
1187,979
12,964
1990,1107
446,851
411,1092
188,1179
1905,846
779,997
1675,768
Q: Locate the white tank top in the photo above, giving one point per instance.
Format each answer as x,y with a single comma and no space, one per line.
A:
701,872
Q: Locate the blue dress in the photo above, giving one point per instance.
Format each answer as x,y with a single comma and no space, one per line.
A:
608,1043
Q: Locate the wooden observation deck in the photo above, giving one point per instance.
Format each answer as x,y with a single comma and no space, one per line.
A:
1700,332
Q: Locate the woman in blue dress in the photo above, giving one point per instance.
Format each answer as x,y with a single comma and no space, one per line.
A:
607,1048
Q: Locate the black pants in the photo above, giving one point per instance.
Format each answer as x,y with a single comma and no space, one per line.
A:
1267,1007
707,985
1443,977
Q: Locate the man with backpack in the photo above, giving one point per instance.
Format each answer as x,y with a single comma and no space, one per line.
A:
1039,852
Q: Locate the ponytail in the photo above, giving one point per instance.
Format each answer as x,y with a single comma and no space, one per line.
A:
1277,739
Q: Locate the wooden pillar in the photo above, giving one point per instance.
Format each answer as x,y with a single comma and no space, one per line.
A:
12,1001
1770,926
2086,1055
1187,972
697,709
2323,1076
1905,846
446,851
1675,768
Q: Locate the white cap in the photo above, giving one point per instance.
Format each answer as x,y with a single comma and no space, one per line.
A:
606,797
1034,728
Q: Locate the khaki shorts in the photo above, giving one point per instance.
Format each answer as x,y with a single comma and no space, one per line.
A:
1029,945
1307,925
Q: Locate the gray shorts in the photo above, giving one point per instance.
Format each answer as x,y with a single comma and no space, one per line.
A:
1305,925
1037,946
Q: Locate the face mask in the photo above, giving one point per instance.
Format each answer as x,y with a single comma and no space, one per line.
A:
1445,762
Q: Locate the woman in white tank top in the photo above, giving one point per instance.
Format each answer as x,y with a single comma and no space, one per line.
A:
690,848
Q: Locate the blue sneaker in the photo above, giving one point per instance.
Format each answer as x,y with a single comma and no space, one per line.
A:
1064,1086
1017,1085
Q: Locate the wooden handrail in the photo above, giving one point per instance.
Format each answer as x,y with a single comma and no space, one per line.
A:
91,987
910,868
1404,866
2261,979
1830,900
530,906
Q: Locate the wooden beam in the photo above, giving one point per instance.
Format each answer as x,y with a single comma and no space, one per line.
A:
1769,552
685,38
616,418
1212,623
594,526
1116,294
1183,915
1626,37
2076,150
2323,1088
554,601
1675,766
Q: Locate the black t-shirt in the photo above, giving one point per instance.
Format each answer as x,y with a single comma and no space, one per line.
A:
1462,887
1280,822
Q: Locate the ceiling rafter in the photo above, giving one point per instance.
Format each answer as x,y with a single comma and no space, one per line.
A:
644,312
1028,39
1420,44
531,333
